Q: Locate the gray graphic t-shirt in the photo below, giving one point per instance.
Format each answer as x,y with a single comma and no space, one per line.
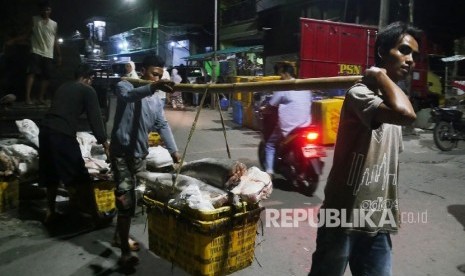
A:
362,184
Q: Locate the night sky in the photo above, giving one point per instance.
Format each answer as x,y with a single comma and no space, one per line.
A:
71,15
443,20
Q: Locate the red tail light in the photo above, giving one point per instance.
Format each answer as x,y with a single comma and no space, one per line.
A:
312,136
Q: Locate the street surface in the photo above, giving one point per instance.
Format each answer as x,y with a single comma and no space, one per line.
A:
430,242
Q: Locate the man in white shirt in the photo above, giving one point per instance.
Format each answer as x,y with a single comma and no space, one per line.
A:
43,44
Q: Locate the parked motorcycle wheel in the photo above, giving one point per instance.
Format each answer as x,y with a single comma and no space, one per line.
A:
443,133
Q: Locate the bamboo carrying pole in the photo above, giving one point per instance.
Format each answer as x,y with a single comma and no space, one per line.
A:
261,86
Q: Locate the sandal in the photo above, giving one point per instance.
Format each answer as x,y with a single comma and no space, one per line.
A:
133,244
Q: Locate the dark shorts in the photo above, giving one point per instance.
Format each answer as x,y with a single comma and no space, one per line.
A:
40,65
60,159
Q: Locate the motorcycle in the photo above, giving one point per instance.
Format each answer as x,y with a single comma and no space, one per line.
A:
298,156
449,128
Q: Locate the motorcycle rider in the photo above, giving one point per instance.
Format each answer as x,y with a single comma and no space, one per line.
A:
294,109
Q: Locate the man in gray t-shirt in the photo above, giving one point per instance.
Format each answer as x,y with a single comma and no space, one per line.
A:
361,191
293,112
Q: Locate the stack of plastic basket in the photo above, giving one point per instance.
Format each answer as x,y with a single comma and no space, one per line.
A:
215,242
103,195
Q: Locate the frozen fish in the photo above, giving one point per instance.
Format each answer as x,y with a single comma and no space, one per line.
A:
160,186
254,186
221,173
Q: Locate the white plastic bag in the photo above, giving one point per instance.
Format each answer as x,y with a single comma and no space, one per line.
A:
86,141
158,157
29,130
191,197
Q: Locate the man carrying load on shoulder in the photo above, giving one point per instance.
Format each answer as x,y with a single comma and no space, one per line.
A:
138,112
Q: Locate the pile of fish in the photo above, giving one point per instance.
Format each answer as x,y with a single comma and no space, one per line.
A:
18,158
204,184
207,184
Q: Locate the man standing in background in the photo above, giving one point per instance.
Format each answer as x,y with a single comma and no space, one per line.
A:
176,97
43,45
162,94
60,158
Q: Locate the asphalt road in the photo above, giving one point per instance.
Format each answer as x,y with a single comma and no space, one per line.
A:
430,242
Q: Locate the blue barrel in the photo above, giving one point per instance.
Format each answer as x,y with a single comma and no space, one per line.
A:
224,103
237,112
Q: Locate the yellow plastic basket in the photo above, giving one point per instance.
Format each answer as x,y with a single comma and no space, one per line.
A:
9,194
104,193
151,198
217,247
154,139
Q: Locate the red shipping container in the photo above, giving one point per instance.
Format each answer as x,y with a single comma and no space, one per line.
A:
331,49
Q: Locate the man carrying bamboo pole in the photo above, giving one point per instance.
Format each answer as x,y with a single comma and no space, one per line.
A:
361,191
138,111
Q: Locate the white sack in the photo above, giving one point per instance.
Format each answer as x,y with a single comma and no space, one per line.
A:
158,157
86,141
29,130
